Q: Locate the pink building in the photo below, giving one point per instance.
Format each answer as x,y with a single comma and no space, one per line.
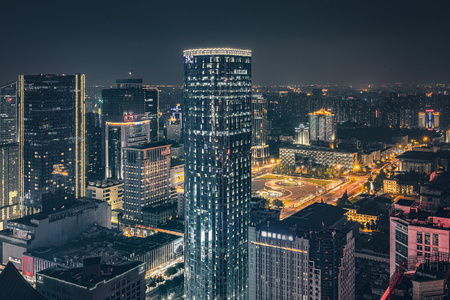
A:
418,232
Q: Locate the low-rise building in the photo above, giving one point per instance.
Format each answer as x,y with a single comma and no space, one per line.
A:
416,161
396,186
320,155
94,281
50,229
110,191
155,215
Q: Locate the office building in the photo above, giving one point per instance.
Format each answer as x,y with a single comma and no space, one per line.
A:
130,99
301,135
50,229
8,113
52,139
217,129
419,232
10,191
119,135
322,126
260,129
94,157
429,119
94,281
309,255
328,157
146,178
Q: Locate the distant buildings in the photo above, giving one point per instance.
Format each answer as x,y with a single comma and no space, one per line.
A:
52,139
260,129
322,126
217,127
94,281
173,129
146,178
309,255
94,155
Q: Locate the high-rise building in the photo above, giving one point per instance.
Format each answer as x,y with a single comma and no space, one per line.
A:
130,99
8,113
10,191
119,135
321,126
52,139
217,128
429,119
173,129
94,155
146,178
302,135
260,148
309,255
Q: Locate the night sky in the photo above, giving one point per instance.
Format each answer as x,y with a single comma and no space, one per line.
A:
293,42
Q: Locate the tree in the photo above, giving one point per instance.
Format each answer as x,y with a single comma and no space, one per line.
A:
170,271
343,201
179,265
278,203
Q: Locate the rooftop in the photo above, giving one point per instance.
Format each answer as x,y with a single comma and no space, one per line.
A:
316,217
418,155
149,145
14,287
76,276
316,148
217,51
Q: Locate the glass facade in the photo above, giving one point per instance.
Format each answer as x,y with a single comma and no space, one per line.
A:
217,127
260,127
8,113
52,139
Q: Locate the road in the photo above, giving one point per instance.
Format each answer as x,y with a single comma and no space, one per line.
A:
354,186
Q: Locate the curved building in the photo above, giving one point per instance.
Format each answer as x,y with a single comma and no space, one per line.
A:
217,126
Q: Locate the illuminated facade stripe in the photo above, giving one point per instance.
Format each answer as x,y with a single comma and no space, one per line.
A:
278,247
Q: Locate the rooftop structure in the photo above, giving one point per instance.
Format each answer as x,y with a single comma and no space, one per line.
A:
14,287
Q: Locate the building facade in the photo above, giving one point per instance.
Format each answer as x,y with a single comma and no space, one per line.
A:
10,190
320,155
110,191
322,126
119,135
146,178
419,232
217,128
309,255
301,135
94,281
260,128
52,139
429,119
94,155
8,113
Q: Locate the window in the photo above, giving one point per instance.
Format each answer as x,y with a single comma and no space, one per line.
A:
419,238
427,248
435,239
419,253
427,238
419,247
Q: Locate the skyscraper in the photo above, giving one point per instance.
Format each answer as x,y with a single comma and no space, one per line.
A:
321,126
94,155
146,177
52,139
217,127
10,191
8,113
260,127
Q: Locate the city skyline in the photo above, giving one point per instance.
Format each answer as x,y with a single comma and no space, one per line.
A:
312,42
